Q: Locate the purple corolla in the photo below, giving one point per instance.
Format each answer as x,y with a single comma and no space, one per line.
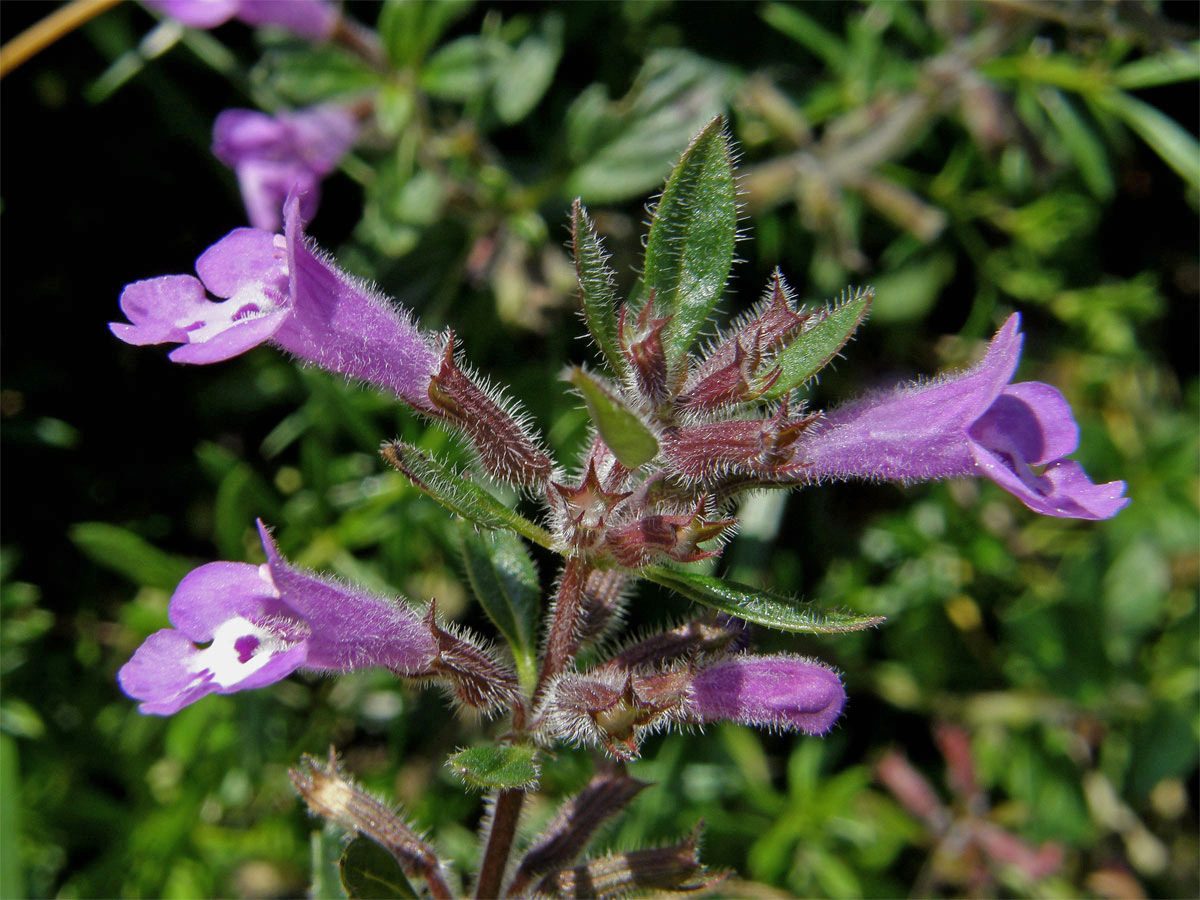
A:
276,155
972,423
260,624
312,19
281,290
789,693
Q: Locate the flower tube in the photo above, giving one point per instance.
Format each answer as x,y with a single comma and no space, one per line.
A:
278,288
260,624
972,423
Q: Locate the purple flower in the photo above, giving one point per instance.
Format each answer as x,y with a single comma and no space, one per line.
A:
972,423
313,19
260,624
281,290
274,155
790,693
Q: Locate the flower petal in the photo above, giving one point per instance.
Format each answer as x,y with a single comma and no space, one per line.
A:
217,592
241,134
160,675
231,342
313,19
1031,420
1063,489
156,306
244,256
197,13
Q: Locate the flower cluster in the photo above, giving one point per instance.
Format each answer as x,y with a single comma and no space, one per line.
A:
678,437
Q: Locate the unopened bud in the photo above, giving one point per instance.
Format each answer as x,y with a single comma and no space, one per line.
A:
648,539
784,692
760,449
735,362
643,348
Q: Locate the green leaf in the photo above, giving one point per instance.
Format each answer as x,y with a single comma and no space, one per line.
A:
496,766
907,293
621,148
128,554
410,28
11,878
1165,68
1085,148
458,494
595,286
1178,149
523,78
505,581
690,247
805,31
314,74
819,343
626,435
762,607
370,872
325,851
463,69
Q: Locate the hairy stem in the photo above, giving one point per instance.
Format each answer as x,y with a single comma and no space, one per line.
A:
505,816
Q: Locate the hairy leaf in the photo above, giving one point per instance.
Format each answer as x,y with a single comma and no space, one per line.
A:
371,873
626,435
621,147
496,766
458,494
820,342
505,581
690,246
595,286
761,607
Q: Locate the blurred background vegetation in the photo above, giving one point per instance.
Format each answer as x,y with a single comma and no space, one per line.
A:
967,159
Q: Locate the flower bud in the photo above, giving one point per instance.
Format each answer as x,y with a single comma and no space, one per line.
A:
784,692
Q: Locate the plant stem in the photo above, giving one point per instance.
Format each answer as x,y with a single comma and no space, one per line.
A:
58,24
505,816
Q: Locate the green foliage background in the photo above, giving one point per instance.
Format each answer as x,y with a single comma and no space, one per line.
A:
966,159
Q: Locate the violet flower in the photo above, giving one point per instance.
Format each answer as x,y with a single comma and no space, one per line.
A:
260,624
971,423
281,290
312,19
274,155
789,693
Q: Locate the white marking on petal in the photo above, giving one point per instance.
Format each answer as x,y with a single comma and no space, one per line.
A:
223,658
250,302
